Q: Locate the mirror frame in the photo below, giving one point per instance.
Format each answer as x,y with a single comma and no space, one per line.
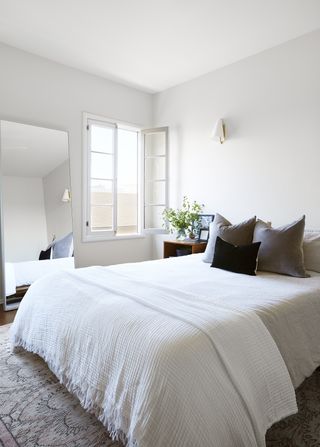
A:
7,307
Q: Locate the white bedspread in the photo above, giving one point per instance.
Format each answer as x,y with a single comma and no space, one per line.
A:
24,273
10,279
28,272
289,307
154,360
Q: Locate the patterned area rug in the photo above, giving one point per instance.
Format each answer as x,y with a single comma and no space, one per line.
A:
37,411
301,429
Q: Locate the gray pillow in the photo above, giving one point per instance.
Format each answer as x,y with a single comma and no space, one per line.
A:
239,234
63,248
281,248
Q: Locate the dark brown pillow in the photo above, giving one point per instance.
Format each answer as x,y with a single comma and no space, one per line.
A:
236,258
45,254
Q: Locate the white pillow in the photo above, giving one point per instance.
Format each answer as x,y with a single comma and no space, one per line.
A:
63,248
311,250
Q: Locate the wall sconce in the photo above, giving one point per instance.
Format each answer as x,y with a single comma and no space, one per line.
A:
66,196
219,131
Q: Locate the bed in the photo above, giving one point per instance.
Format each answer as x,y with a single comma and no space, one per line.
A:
19,275
173,352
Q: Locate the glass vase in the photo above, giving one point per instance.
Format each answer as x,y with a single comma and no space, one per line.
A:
181,234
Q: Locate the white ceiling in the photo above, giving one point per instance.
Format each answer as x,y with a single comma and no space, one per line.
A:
153,44
31,151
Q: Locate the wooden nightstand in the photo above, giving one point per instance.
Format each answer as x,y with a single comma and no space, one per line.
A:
170,247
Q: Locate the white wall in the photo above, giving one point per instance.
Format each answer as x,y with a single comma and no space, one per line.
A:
25,230
36,91
269,164
58,213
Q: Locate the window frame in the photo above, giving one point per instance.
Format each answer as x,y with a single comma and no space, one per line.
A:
104,235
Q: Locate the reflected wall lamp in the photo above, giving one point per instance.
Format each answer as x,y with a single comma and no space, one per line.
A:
219,131
66,196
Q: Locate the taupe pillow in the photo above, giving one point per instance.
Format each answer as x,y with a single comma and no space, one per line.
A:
239,234
311,250
281,248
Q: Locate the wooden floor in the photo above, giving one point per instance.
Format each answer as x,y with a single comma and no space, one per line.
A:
6,317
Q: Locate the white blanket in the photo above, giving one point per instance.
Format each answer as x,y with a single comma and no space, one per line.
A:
160,365
28,272
10,279
24,273
289,307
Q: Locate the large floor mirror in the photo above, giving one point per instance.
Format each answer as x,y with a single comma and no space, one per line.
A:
36,222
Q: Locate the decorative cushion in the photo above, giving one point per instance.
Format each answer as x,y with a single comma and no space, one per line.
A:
281,248
63,248
45,254
311,250
236,258
239,234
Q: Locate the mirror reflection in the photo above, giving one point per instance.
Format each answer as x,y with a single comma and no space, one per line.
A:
36,206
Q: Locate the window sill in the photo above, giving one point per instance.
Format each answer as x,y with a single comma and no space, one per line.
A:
156,231
103,238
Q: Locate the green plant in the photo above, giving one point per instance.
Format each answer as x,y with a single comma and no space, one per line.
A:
186,218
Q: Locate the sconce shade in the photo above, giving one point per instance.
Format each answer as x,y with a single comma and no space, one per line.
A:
218,133
66,196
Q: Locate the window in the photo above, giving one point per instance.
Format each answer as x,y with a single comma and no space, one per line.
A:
155,142
117,177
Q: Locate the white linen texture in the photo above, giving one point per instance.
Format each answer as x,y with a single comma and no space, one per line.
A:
157,363
27,272
10,279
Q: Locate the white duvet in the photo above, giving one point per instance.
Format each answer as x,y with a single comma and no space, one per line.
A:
170,352
27,272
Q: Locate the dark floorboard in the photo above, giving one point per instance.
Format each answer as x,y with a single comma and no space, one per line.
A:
6,317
